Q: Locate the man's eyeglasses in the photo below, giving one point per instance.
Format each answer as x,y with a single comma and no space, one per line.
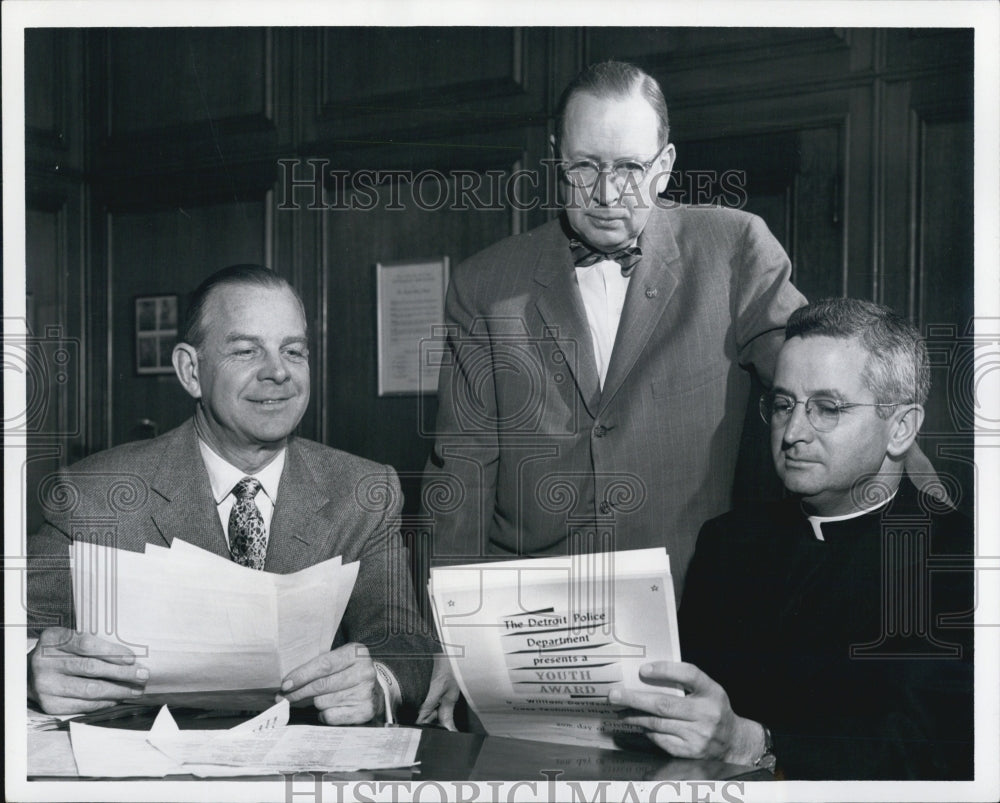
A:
823,413
584,173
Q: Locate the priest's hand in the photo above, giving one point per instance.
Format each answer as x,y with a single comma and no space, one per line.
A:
441,696
701,724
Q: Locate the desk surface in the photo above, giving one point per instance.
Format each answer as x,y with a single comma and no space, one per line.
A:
445,756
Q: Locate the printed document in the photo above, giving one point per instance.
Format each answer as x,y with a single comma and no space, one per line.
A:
201,623
264,745
536,644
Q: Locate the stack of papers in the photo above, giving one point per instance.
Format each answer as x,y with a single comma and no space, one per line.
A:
537,644
202,623
264,745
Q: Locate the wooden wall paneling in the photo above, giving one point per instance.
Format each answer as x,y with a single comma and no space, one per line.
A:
165,251
926,237
96,256
709,66
944,267
201,113
388,429
46,73
189,76
55,126
791,157
893,283
819,225
861,45
387,84
924,50
910,105
295,235
943,277
859,186
706,44
288,102
55,271
942,270
54,353
44,68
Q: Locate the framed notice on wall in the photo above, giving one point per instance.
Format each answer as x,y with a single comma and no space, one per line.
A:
155,334
409,308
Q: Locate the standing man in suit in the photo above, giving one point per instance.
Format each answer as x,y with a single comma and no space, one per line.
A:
235,481
829,634
596,380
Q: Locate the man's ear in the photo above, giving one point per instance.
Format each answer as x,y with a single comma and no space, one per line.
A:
906,423
185,358
663,166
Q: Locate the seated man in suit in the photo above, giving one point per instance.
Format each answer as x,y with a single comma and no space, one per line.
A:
235,481
815,629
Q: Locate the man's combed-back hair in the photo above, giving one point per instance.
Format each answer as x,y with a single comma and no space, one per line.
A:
193,330
615,79
897,369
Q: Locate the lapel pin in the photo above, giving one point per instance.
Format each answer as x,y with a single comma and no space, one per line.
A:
652,292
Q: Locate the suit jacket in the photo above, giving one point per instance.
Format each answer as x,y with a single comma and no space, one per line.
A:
533,458
329,503
856,651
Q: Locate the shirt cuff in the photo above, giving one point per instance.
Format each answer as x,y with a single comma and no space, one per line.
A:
390,690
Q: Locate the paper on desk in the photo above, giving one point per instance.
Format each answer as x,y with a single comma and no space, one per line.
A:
118,753
297,748
50,755
264,745
537,644
200,622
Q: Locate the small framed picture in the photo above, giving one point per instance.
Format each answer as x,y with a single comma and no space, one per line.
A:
155,333
409,315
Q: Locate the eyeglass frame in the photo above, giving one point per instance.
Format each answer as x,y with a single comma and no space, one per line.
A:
609,168
767,399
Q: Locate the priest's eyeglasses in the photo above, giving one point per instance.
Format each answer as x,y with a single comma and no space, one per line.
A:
823,413
584,173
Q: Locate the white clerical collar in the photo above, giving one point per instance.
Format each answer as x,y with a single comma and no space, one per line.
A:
817,521
223,475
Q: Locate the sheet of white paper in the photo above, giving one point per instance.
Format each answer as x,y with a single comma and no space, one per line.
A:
50,755
275,717
316,747
117,753
537,644
294,748
320,587
200,622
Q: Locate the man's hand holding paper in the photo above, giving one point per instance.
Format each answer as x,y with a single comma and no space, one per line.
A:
73,673
340,683
700,724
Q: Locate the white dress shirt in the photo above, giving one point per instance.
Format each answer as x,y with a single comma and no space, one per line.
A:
603,289
223,476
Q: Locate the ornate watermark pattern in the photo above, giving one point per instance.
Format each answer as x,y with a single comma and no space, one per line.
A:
316,185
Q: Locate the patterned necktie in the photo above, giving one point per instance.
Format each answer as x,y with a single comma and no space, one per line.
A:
247,539
584,256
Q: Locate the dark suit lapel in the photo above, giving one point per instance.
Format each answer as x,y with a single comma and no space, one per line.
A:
296,524
653,283
183,506
561,307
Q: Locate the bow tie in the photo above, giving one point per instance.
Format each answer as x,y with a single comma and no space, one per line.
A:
584,256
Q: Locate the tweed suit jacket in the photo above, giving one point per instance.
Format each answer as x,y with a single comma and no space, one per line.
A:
329,503
532,457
